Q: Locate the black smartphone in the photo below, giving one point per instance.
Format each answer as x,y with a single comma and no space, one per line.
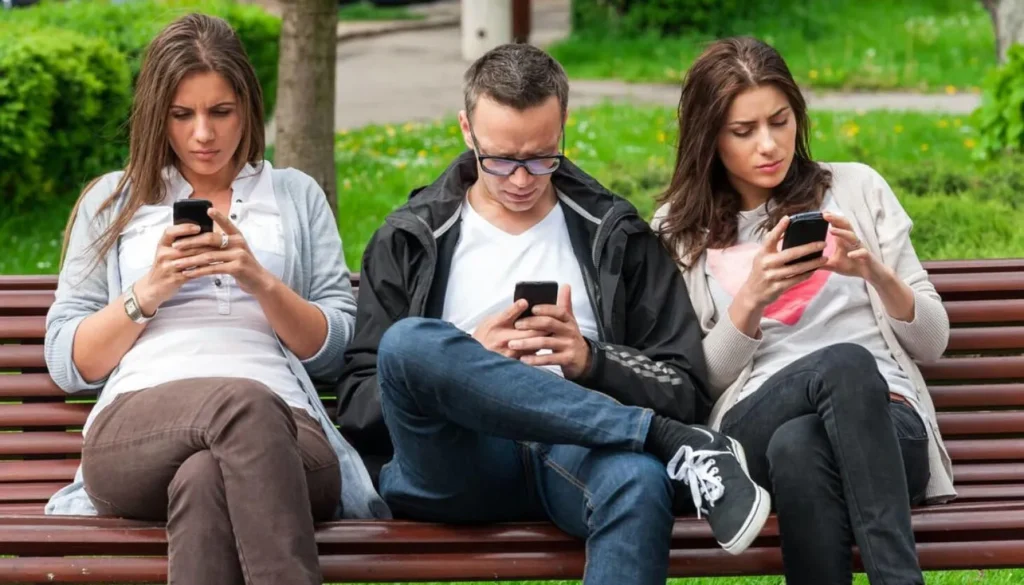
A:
805,228
536,293
194,211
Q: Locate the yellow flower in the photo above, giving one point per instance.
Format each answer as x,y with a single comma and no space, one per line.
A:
898,129
392,151
851,129
951,90
943,123
924,148
570,122
409,126
344,132
422,154
957,123
661,137
390,131
671,73
813,74
970,143
402,164
346,184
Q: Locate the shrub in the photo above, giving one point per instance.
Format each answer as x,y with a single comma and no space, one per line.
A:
672,17
1001,115
130,26
63,100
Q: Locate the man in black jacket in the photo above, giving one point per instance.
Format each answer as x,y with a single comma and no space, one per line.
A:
572,412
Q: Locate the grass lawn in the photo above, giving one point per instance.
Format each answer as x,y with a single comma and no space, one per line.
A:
962,210
927,45
365,10
1006,577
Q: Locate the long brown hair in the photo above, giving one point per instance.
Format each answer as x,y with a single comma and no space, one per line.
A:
703,206
194,43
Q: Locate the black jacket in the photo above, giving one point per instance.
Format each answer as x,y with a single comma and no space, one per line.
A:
649,353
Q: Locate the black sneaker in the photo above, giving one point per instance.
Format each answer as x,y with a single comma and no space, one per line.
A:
716,473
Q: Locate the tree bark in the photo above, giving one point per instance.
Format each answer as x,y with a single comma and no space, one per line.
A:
304,114
1008,21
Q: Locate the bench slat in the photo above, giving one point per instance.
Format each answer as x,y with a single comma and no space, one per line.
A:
22,327
1002,311
43,470
980,423
985,450
975,368
30,386
977,395
971,266
47,414
29,492
988,473
22,356
41,443
986,338
1011,283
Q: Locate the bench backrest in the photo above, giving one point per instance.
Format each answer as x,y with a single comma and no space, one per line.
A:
978,387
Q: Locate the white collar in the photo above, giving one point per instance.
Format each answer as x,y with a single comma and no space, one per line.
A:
243,185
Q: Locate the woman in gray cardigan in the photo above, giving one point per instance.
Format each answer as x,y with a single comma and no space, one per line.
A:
204,344
810,350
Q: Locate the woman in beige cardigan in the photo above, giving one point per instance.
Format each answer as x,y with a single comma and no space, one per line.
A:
811,361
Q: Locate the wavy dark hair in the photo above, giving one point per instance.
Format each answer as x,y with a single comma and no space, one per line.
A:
702,204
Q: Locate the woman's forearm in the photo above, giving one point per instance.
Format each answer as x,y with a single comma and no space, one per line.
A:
102,339
300,325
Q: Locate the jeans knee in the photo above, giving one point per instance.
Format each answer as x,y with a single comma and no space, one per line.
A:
640,486
850,361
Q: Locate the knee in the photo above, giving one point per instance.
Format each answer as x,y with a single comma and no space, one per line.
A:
197,484
850,361
252,401
411,339
639,485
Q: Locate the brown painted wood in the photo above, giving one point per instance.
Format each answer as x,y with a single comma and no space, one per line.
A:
988,472
986,338
980,423
961,266
44,414
40,443
29,386
972,368
977,395
42,470
1000,311
22,327
983,282
21,356
985,450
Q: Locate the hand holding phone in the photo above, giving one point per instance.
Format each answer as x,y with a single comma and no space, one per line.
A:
536,293
775,271
805,228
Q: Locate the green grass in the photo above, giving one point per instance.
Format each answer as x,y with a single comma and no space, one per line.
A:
1004,577
927,45
962,209
368,11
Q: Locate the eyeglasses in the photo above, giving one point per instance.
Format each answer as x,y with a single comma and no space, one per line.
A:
502,166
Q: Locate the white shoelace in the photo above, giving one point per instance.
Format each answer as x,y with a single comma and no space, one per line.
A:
696,468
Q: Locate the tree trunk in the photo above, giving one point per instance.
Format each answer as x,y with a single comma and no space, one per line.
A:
304,115
1008,20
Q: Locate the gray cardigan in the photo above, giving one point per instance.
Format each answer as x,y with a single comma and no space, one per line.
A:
314,268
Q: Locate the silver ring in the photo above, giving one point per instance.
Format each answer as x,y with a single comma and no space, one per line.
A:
224,240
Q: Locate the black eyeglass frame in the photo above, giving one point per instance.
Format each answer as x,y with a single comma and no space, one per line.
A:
517,162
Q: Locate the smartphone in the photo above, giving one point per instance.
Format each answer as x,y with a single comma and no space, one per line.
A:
536,293
805,228
194,211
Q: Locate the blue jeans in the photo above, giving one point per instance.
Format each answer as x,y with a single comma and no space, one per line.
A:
482,438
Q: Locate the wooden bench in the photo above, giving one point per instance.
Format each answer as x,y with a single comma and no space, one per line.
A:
978,388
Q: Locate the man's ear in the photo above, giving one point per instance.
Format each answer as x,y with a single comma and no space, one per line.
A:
467,136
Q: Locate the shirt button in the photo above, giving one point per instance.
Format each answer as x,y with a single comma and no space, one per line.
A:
234,216
216,282
238,200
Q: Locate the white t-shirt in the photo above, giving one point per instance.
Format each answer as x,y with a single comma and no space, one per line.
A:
488,262
823,311
211,327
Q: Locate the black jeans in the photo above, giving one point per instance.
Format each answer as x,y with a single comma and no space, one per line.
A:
841,460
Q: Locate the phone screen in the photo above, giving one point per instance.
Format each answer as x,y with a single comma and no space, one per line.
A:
537,293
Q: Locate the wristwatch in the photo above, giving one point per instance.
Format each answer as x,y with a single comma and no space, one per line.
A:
132,308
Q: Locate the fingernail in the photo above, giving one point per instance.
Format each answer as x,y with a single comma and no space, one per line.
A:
513,344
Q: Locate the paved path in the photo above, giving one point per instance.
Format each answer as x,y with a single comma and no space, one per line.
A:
417,75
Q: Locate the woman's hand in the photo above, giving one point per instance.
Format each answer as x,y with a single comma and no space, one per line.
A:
850,258
165,276
224,252
770,276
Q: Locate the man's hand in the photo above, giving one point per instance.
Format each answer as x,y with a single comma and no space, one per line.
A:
497,331
559,333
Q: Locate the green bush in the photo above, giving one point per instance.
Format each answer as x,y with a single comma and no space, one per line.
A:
63,100
130,26
1001,115
991,182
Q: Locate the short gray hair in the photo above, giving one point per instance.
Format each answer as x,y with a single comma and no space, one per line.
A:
517,75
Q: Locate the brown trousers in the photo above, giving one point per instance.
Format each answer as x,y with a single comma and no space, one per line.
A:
239,477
